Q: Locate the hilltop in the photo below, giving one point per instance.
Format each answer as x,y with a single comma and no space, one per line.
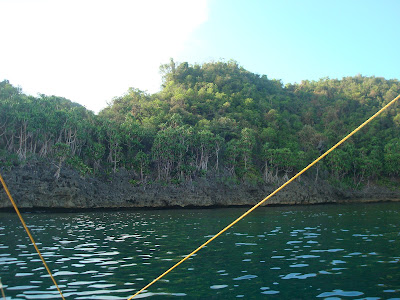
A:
215,125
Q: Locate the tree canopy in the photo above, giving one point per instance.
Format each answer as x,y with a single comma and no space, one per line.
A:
211,119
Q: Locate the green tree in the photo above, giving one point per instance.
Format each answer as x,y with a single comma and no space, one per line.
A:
392,157
61,153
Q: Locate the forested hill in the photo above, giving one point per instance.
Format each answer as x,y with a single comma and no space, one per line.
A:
215,120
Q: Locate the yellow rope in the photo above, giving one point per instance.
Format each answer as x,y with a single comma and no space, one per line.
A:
2,290
269,196
29,234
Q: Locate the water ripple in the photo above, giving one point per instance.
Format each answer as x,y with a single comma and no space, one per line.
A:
341,293
110,255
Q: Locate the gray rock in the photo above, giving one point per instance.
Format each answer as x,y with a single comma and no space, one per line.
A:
33,186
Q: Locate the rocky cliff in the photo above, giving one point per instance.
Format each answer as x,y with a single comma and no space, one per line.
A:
34,186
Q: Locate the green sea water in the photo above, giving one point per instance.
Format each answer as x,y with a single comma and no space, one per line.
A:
301,252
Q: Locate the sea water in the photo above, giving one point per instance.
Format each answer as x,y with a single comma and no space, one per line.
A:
297,252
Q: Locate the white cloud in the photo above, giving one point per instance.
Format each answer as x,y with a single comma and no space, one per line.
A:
91,51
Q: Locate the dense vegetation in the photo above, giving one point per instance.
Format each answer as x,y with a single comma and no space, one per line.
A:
213,120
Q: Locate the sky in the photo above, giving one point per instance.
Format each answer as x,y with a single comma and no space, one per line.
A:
90,51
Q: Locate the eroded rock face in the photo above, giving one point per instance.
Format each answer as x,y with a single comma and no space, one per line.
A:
34,186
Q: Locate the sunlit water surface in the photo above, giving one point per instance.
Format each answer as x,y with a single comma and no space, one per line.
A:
324,252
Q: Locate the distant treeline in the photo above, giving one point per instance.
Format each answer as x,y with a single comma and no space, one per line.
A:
213,119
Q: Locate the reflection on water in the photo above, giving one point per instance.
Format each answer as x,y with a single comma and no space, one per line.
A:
332,252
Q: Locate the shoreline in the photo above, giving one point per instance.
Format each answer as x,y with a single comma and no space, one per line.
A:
34,188
133,209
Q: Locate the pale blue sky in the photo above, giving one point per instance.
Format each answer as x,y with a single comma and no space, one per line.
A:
91,51
297,40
